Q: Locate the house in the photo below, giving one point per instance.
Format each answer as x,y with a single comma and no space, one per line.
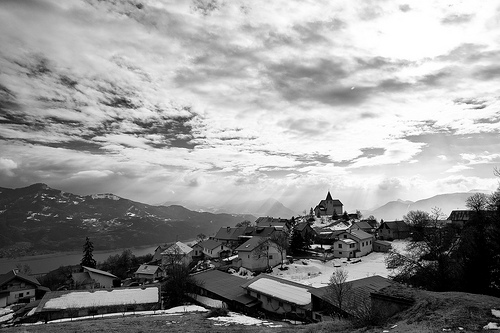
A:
352,244
390,230
325,303
219,289
264,232
214,249
381,246
197,251
16,287
460,217
148,272
258,254
363,225
305,230
159,249
230,236
268,221
328,207
91,278
279,296
79,303
177,253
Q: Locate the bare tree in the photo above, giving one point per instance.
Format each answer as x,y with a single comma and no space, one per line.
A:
281,240
339,290
201,237
477,202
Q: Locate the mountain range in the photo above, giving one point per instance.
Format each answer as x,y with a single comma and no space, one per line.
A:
39,219
268,207
394,210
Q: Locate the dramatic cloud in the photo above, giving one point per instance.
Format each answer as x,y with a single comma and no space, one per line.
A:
214,101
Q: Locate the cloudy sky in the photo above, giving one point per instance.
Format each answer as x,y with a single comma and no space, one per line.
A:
212,101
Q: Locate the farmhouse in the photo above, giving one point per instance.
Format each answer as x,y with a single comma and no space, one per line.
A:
352,244
92,278
214,249
390,230
381,246
363,225
148,272
328,207
326,302
258,254
224,290
268,221
16,287
177,253
230,236
460,217
279,296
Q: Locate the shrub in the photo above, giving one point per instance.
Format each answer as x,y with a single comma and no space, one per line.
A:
218,312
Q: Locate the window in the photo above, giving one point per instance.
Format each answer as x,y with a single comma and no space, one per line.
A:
270,256
340,253
340,246
345,236
280,304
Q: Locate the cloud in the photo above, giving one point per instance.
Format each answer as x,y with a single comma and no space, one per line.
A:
457,18
7,166
458,168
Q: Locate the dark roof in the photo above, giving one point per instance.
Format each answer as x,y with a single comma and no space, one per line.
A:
360,289
251,244
223,284
381,242
329,196
301,226
259,231
210,244
357,233
362,225
395,225
7,277
228,233
460,215
336,202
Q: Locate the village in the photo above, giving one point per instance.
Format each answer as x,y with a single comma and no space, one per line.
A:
278,268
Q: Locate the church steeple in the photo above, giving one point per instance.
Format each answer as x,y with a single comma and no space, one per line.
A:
329,197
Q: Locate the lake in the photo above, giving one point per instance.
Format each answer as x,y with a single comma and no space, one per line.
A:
46,262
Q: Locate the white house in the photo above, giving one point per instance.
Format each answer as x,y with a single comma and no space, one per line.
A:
93,278
15,287
352,244
177,253
148,272
258,253
214,249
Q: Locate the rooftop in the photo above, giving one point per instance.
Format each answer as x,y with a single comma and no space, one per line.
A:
281,289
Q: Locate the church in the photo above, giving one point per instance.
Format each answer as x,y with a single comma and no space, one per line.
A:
328,206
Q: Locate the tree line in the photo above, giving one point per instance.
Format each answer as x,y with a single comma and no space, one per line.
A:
447,257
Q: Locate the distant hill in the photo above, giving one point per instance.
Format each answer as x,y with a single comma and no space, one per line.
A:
396,209
269,207
38,219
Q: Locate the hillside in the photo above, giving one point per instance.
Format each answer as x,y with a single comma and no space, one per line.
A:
396,209
38,219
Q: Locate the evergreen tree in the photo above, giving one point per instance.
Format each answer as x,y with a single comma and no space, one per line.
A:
88,259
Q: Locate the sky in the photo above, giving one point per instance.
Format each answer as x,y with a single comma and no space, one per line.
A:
211,102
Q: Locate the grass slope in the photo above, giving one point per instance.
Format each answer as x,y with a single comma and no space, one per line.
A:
432,312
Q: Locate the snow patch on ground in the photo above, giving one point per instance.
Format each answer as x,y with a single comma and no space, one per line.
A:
236,318
315,273
103,298
491,326
495,312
